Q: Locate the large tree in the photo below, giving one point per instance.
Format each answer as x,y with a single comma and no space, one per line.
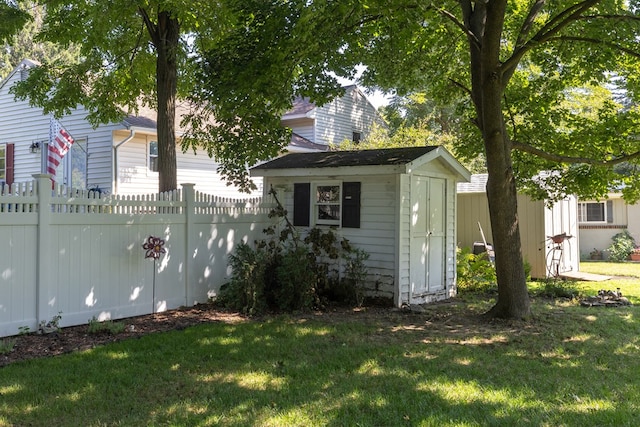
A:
132,54
518,64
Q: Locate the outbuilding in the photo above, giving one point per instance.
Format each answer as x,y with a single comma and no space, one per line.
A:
397,204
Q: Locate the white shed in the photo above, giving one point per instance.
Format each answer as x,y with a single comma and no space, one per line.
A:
397,204
538,222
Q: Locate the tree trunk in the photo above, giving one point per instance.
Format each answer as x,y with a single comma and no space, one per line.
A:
168,31
485,22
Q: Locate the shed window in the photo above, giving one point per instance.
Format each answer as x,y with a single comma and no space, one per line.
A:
3,162
595,211
6,163
356,137
327,203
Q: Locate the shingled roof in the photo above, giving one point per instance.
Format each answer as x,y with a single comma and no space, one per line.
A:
332,159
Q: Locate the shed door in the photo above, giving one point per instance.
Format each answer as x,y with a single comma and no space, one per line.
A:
428,230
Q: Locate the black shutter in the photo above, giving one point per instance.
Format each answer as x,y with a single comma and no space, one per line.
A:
301,203
351,204
9,168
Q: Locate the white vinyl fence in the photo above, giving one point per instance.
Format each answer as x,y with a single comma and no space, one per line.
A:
80,255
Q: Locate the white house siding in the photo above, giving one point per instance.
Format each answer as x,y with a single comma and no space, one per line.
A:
377,232
22,125
134,176
303,127
337,120
599,235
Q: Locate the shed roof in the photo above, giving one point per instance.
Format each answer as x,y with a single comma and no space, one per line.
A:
387,160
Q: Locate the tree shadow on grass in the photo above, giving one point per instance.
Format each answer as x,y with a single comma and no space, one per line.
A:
441,367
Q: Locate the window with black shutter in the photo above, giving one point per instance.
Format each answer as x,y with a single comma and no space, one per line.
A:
326,203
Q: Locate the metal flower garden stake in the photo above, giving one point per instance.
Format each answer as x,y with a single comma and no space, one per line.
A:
154,248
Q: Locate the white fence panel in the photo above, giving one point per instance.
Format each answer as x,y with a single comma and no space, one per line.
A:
80,255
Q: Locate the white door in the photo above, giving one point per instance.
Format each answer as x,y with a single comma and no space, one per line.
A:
428,229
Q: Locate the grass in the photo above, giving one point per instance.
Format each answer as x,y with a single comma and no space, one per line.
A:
569,366
627,269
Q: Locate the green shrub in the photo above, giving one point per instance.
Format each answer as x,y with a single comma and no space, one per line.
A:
623,244
286,273
246,290
475,272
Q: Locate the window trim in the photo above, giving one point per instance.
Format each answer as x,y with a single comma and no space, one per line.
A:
149,155
607,209
315,204
350,204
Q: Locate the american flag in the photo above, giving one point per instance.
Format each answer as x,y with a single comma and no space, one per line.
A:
59,144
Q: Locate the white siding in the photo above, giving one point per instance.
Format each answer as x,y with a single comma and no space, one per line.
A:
337,120
303,127
134,176
377,232
22,124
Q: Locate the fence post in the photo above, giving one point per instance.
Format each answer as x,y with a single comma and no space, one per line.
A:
44,253
188,192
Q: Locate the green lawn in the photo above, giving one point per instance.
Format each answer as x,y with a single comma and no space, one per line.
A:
569,366
629,269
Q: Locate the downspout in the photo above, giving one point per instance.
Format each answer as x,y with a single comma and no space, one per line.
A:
132,133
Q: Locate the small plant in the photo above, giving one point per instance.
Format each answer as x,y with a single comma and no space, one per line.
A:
595,254
621,247
356,273
24,330
475,272
51,326
558,289
7,345
110,327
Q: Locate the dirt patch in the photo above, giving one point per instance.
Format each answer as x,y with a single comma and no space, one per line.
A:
450,317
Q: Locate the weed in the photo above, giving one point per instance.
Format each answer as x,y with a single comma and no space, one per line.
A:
6,345
51,326
110,327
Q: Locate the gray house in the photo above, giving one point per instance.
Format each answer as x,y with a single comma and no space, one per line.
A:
397,204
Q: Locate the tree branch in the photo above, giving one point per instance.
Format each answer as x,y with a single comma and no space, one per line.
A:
151,27
571,159
528,22
550,29
597,41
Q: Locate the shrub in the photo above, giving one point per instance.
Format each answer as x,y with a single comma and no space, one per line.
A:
6,345
622,245
475,272
287,273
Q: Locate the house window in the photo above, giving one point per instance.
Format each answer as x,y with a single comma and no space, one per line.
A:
595,212
153,156
327,203
357,137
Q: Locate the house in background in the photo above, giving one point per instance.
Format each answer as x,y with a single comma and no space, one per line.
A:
397,204
116,157
121,158
537,224
599,221
349,117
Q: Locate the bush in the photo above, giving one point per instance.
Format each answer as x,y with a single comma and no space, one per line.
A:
623,244
475,272
286,273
